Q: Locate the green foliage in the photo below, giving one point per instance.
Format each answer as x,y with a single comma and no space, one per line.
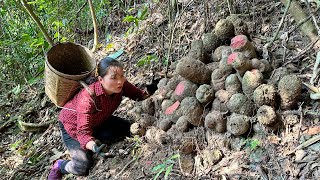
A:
22,44
147,60
165,167
253,144
141,15
137,146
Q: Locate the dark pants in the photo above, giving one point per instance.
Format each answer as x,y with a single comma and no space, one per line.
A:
113,129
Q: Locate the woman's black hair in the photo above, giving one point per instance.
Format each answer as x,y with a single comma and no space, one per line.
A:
103,68
104,65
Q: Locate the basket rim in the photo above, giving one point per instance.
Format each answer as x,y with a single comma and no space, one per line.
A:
69,76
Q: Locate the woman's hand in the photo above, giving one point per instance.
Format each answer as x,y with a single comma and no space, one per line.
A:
98,149
145,95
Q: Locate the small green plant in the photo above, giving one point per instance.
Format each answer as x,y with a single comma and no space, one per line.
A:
147,59
142,14
253,144
166,166
136,147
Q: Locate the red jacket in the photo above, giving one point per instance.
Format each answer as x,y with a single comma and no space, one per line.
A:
80,115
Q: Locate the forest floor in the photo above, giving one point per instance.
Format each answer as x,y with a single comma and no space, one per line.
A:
269,154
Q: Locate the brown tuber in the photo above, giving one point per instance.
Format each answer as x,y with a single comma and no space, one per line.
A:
137,129
238,124
224,29
265,94
184,89
240,104
162,83
192,108
197,51
173,112
215,121
250,81
233,84
194,70
266,115
277,74
221,52
205,94
262,65
217,105
174,81
165,104
218,77
157,136
223,95
240,43
165,124
183,124
289,88
147,120
148,106
239,62
240,27
211,157
210,42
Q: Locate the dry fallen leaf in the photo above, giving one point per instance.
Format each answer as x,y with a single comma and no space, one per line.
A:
312,130
274,139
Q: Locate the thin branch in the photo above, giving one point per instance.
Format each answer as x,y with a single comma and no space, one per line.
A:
280,24
313,17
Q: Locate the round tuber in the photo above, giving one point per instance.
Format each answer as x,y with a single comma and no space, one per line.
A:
266,115
205,94
215,121
238,124
289,88
194,70
265,94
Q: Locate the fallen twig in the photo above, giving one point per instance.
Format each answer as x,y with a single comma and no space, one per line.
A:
316,69
33,127
313,17
127,165
308,142
305,50
7,123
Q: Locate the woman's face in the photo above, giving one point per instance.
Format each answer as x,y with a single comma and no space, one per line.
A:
113,81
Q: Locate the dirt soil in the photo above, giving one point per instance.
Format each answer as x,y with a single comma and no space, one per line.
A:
269,154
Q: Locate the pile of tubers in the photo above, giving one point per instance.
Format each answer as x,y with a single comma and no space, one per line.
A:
221,84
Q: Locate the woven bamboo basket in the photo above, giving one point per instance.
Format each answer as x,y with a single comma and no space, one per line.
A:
66,64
